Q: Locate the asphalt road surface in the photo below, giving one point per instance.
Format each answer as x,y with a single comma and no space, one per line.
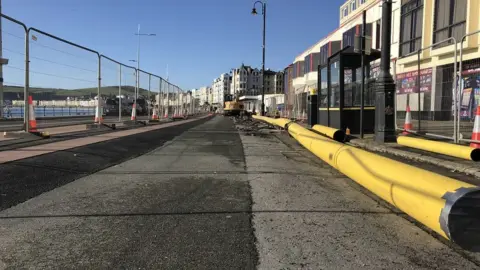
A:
14,125
202,196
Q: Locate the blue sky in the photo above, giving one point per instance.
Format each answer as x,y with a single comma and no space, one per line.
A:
198,39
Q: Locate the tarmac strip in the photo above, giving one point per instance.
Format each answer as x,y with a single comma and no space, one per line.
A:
131,217
26,178
21,153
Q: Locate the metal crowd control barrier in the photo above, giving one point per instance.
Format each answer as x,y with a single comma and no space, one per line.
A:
448,41
120,77
445,205
163,84
26,84
99,76
467,127
426,121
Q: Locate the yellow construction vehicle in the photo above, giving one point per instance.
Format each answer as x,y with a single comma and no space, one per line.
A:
233,107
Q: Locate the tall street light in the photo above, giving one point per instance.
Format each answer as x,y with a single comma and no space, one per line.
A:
138,62
385,88
264,13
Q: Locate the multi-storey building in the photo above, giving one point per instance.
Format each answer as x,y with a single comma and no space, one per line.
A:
305,65
220,88
279,82
425,35
245,80
269,82
289,90
204,95
439,27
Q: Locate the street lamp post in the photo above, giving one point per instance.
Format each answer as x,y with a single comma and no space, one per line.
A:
264,13
385,90
137,87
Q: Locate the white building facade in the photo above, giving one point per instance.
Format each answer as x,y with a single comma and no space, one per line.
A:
203,93
245,79
220,88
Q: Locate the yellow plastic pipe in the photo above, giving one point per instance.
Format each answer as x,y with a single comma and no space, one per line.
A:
443,148
281,122
333,133
445,205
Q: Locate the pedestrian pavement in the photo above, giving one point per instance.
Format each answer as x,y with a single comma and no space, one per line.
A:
15,125
307,215
32,151
184,205
212,197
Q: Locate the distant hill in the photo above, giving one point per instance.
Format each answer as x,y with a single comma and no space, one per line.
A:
16,92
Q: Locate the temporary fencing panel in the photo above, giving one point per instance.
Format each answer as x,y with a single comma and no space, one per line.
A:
62,70
468,87
155,95
63,78
429,93
13,86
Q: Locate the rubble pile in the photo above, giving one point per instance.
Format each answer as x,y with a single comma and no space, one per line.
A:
250,126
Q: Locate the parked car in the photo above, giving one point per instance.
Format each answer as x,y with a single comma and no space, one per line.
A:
111,107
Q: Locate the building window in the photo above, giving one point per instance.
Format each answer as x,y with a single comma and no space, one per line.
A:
334,85
362,2
353,5
411,26
378,34
345,11
450,20
306,63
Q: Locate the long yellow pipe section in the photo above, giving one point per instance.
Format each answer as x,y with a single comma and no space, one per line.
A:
445,205
459,151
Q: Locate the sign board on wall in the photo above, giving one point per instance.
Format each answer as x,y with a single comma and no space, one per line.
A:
407,82
470,96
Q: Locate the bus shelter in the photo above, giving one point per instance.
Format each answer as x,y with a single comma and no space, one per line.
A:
339,97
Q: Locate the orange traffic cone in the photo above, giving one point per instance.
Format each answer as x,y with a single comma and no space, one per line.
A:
155,114
32,122
476,130
134,112
408,122
98,115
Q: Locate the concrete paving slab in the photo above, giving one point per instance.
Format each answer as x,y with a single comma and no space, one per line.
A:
146,213
325,221
138,220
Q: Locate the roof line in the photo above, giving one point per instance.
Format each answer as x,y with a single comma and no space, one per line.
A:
336,29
